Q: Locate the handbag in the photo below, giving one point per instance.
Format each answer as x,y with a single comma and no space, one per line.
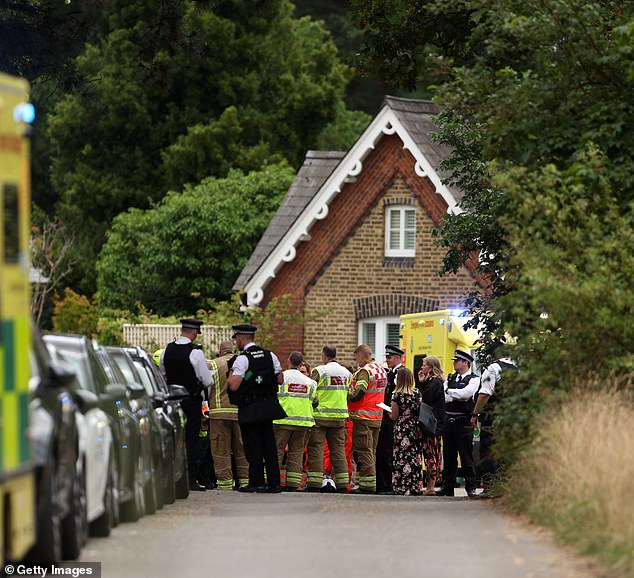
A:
261,410
427,419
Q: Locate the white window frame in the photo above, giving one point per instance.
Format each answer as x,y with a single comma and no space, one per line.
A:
380,335
401,251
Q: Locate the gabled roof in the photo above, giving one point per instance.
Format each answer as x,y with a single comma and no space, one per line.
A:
317,167
323,175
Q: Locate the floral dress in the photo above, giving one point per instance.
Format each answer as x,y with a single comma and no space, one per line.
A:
407,461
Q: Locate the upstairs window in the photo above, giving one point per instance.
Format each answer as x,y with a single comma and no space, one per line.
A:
400,232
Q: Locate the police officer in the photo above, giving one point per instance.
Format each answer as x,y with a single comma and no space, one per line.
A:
254,377
367,388
457,437
183,363
393,360
485,400
225,436
297,396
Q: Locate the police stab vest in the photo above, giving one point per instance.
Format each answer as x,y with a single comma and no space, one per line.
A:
455,381
178,367
296,396
366,407
332,391
260,381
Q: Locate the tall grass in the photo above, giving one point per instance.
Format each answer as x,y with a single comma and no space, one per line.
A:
578,475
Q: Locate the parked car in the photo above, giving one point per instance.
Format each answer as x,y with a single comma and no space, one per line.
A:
167,403
143,408
111,468
56,408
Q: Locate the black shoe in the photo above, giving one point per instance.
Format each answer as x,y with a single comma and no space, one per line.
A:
196,487
209,485
445,492
308,490
361,491
252,489
471,493
274,490
385,493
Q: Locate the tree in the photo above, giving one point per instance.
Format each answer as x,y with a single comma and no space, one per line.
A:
50,244
180,90
192,245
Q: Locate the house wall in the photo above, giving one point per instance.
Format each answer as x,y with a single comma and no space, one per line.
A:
340,275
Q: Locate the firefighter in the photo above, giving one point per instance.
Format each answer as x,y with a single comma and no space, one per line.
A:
367,389
225,437
333,381
297,395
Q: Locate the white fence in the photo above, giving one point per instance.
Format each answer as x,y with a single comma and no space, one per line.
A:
152,337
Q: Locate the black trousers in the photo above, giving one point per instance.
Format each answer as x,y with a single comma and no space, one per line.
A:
384,452
260,449
488,465
193,410
457,439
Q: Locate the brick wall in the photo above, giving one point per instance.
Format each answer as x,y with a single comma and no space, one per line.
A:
341,272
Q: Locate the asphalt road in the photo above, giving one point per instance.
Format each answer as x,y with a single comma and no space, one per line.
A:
228,534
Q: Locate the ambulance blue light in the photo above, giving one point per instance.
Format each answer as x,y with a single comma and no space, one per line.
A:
24,112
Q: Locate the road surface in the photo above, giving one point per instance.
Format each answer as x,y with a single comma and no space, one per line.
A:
229,534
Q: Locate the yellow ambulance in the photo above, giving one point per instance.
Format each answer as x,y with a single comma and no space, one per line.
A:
437,333
17,500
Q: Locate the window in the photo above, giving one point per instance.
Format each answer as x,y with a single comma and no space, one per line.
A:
378,333
400,232
11,223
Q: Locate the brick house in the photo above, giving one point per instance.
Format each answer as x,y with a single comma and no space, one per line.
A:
352,243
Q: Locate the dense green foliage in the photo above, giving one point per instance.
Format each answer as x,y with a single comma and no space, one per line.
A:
180,90
191,247
538,105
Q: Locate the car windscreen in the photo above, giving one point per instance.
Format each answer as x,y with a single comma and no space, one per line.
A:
131,376
79,362
145,377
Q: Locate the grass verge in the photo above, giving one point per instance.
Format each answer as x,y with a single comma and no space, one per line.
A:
578,476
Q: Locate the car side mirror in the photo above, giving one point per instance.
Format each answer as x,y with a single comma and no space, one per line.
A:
135,390
115,391
177,392
60,375
85,400
158,399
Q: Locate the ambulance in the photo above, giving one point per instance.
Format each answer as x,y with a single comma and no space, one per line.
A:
437,333
17,485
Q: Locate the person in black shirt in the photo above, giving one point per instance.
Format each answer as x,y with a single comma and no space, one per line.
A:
431,379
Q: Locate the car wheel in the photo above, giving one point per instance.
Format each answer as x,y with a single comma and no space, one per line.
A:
134,508
182,484
103,524
151,490
73,526
169,491
48,548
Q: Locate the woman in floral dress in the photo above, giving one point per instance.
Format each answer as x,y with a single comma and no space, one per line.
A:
407,460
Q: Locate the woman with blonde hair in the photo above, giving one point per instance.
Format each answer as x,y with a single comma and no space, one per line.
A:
407,461
431,379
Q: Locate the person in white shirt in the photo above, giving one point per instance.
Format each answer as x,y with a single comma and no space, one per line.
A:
184,363
457,436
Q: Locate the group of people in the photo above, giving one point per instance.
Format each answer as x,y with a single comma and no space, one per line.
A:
261,417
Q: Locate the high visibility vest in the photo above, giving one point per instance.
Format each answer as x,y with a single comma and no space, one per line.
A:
366,407
296,396
332,391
